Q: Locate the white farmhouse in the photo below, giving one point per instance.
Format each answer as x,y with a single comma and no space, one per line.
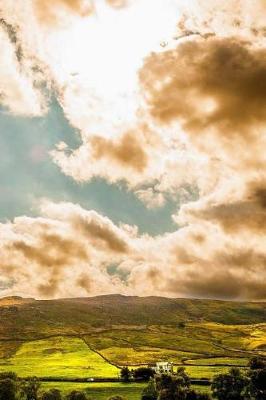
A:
163,367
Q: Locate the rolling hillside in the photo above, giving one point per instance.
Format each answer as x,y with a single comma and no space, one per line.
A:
94,337
28,318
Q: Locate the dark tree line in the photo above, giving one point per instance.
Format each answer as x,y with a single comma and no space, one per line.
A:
234,385
13,388
138,374
172,387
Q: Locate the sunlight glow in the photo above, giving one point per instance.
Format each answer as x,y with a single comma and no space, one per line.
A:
103,53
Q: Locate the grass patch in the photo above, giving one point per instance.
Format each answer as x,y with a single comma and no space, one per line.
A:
58,357
207,372
99,391
240,362
142,355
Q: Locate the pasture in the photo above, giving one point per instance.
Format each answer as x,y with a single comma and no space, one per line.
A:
94,338
58,357
204,349
100,391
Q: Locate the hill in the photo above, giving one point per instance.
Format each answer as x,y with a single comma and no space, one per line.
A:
94,337
28,318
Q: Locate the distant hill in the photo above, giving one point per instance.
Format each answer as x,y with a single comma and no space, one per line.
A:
28,318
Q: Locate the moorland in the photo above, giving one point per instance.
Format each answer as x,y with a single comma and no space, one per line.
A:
90,339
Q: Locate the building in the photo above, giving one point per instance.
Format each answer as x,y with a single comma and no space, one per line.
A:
163,367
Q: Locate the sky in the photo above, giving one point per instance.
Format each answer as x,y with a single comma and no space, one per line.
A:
132,148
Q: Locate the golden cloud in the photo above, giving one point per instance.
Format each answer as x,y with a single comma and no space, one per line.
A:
201,121
128,152
208,84
52,12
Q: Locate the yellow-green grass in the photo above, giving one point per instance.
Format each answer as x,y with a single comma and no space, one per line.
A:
256,339
201,338
241,337
142,355
240,362
102,391
207,372
58,357
184,341
99,391
199,343
7,349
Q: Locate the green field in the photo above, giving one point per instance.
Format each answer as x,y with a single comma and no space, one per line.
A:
58,357
100,391
94,338
101,355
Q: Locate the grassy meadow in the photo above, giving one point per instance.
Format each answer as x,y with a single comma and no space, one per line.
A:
93,338
99,391
215,348
102,391
58,357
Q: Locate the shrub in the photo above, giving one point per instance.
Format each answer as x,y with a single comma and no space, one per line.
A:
53,394
76,395
7,389
230,386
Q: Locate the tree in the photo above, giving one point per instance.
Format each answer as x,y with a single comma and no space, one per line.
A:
8,375
230,386
173,387
116,398
143,373
182,377
193,395
8,386
257,363
150,392
125,374
7,389
53,394
257,386
76,395
31,388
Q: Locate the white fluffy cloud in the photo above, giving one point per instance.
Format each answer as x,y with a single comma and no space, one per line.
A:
68,252
18,92
166,96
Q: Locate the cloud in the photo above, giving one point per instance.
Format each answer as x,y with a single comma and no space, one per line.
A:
213,87
176,113
102,103
18,92
234,274
52,12
99,230
200,261
118,3
131,157
244,17
55,252
68,251
208,84
150,197
127,152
